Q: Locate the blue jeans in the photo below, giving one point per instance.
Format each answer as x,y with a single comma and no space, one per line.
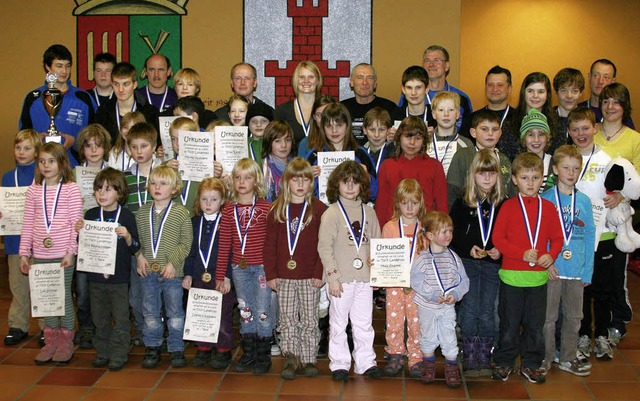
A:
155,290
135,296
478,306
83,300
254,300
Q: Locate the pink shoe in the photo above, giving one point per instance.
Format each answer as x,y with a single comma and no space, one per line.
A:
50,346
64,353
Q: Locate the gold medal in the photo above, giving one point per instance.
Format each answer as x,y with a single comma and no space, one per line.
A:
532,264
291,264
481,253
155,267
407,290
357,263
47,242
242,263
566,254
206,277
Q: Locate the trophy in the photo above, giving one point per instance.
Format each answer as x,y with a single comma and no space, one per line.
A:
52,98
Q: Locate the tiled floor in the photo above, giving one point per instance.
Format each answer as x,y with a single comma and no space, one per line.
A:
20,379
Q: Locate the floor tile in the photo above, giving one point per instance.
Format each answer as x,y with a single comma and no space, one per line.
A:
22,374
22,357
439,389
552,391
55,393
294,397
119,394
223,396
130,379
11,391
615,391
360,386
184,395
601,372
71,377
513,389
190,381
307,385
248,383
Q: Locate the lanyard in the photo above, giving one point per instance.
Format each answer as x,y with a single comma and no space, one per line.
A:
566,233
379,156
357,240
485,229
306,125
98,96
15,177
413,238
48,223
446,149
533,238
205,259
166,91
293,242
146,193
437,272
156,242
134,107
446,88
243,236
86,164
117,215
424,115
586,165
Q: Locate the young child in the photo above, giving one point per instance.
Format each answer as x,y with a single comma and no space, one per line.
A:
569,85
165,241
408,211
189,193
485,128
527,233
187,82
315,139
26,146
238,106
415,83
277,147
120,154
535,137
473,216
439,281
376,125
191,107
343,244
445,108
410,160
535,93
573,269
258,117
199,270
108,293
243,230
293,266
94,143
48,236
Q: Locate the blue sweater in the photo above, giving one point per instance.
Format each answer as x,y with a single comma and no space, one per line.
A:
25,178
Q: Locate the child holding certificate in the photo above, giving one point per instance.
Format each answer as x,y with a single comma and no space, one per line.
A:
243,230
165,241
200,269
120,154
52,205
108,293
293,267
188,195
276,153
343,245
473,216
408,210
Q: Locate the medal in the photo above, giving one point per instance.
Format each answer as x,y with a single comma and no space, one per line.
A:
47,242
485,228
566,232
306,125
242,263
413,238
566,254
155,242
434,265
482,253
357,263
297,229
533,238
155,267
206,277
291,264
243,235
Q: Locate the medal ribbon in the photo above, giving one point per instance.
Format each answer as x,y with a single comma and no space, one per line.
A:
437,273
185,193
532,239
166,91
424,115
306,125
504,116
98,96
117,214
15,177
293,242
203,258
357,240
146,194
586,165
154,242
134,107
379,156
48,222
566,233
446,149
243,236
485,229
413,238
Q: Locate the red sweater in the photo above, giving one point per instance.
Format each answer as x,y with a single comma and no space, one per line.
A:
429,173
230,249
276,250
510,232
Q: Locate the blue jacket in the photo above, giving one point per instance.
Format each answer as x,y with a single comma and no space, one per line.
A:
25,178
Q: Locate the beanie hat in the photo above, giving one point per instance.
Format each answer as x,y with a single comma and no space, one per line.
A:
259,109
534,119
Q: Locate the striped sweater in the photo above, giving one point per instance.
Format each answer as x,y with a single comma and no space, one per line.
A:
431,280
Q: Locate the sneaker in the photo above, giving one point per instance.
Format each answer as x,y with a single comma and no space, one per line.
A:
373,372
115,366
100,362
603,349
221,360
614,336
310,370
428,371
395,365
15,336
201,359
574,367
545,367
177,359
533,375
452,375
151,358
340,375
584,361
584,347
501,373
275,346
415,372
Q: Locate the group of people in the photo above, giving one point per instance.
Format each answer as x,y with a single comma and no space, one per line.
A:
497,205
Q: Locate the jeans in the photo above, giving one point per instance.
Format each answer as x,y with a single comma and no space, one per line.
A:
478,306
83,300
111,317
155,290
135,296
254,300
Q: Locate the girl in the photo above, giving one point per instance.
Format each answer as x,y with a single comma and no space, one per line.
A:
535,137
258,117
410,160
94,143
109,293
238,106
293,267
345,232
408,210
187,82
315,138
276,153
243,230
473,216
199,270
120,154
52,204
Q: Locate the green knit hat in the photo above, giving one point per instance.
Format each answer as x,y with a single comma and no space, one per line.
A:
534,119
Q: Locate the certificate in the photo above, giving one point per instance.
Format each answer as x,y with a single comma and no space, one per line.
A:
46,285
231,145
391,266
202,320
599,217
12,207
196,155
84,178
97,247
328,161
165,137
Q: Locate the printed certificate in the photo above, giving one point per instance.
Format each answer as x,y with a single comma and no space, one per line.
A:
231,144
196,155
46,285
84,178
202,320
12,207
328,161
165,138
391,266
97,247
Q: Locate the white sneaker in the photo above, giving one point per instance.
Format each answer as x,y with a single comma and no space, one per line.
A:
603,349
614,336
545,367
574,367
584,347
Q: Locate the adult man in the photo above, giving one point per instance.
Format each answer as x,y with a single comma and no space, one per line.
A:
244,81
602,73
497,88
76,109
157,69
363,82
103,64
435,60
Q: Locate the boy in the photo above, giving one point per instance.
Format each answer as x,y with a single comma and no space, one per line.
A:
485,128
527,233
102,92
572,271
26,145
582,129
259,115
445,108
189,106
165,241
189,193
124,80
376,125
414,87
569,85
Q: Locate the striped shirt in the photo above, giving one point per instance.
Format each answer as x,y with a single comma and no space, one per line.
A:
429,279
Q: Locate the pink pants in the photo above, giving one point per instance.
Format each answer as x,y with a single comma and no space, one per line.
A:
401,308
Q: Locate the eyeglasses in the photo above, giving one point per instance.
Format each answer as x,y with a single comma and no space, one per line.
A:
436,61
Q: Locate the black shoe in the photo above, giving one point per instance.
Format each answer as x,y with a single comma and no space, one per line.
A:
86,338
115,366
201,359
263,356
15,336
41,341
221,360
151,357
340,375
248,358
100,362
177,359
374,372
